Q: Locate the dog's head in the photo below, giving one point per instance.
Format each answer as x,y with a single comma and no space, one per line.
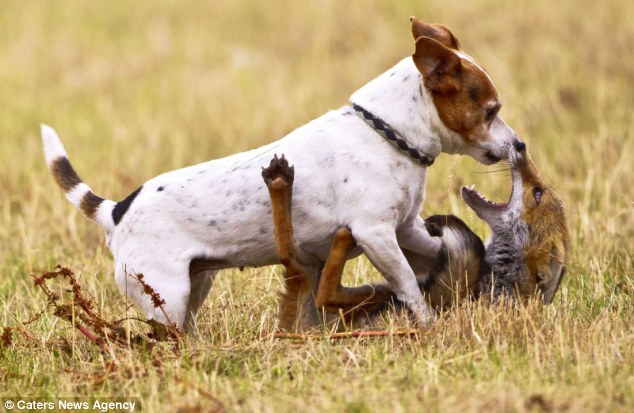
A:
465,98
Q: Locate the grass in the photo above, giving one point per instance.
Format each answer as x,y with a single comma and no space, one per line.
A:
139,88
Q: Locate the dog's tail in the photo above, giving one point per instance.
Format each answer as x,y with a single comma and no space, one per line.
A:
76,191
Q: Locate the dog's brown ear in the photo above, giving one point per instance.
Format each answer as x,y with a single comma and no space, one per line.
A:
440,66
438,32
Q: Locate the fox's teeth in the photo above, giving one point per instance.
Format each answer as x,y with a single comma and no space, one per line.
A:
472,187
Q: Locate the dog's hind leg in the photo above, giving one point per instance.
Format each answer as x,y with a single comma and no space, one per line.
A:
162,289
201,283
299,279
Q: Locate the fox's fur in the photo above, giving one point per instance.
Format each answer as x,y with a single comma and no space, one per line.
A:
527,251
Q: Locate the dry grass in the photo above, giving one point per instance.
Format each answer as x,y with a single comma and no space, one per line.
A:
138,88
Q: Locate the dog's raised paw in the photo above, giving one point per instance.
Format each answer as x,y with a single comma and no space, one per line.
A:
278,169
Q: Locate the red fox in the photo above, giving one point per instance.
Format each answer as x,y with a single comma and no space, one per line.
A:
524,257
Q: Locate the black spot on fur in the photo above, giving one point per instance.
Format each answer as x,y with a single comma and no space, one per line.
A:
89,204
406,78
160,188
64,174
414,98
122,207
345,180
264,230
213,223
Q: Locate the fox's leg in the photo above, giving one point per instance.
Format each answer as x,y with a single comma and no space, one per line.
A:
332,296
298,278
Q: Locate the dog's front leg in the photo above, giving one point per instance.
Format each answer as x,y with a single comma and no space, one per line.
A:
380,245
414,237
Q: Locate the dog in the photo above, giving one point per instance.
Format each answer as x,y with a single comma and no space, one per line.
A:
362,166
453,273
525,256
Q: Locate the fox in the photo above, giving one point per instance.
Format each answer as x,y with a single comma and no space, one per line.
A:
525,256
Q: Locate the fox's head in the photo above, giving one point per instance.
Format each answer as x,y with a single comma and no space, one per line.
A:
527,251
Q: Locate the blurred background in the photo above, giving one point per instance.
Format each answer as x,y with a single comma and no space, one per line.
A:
138,88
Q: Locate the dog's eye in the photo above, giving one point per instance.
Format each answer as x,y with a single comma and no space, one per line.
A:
492,111
537,194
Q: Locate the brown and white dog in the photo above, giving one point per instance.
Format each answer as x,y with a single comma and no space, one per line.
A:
525,256
181,227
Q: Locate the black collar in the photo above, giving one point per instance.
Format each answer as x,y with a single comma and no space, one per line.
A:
388,133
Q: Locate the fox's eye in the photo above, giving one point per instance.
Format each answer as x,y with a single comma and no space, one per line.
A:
537,194
492,111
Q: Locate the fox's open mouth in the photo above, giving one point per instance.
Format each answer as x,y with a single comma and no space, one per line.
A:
474,199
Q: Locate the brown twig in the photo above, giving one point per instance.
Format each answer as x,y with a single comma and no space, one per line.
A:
343,335
161,331
79,311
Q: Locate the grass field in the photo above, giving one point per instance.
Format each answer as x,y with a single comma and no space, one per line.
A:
139,88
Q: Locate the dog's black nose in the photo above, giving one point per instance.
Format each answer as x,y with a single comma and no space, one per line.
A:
519,146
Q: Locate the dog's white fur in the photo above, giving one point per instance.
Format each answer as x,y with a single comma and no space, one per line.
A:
346,175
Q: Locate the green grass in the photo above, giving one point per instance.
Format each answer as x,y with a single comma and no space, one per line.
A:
139,88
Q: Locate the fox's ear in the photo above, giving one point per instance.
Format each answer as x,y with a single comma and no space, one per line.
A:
438,32
440,66
549,277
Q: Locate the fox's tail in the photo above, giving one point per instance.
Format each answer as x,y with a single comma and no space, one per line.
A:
76,191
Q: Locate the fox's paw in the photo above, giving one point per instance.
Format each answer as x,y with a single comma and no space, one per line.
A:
278,170
433,227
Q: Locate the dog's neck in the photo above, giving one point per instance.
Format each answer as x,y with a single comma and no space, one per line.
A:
399,98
